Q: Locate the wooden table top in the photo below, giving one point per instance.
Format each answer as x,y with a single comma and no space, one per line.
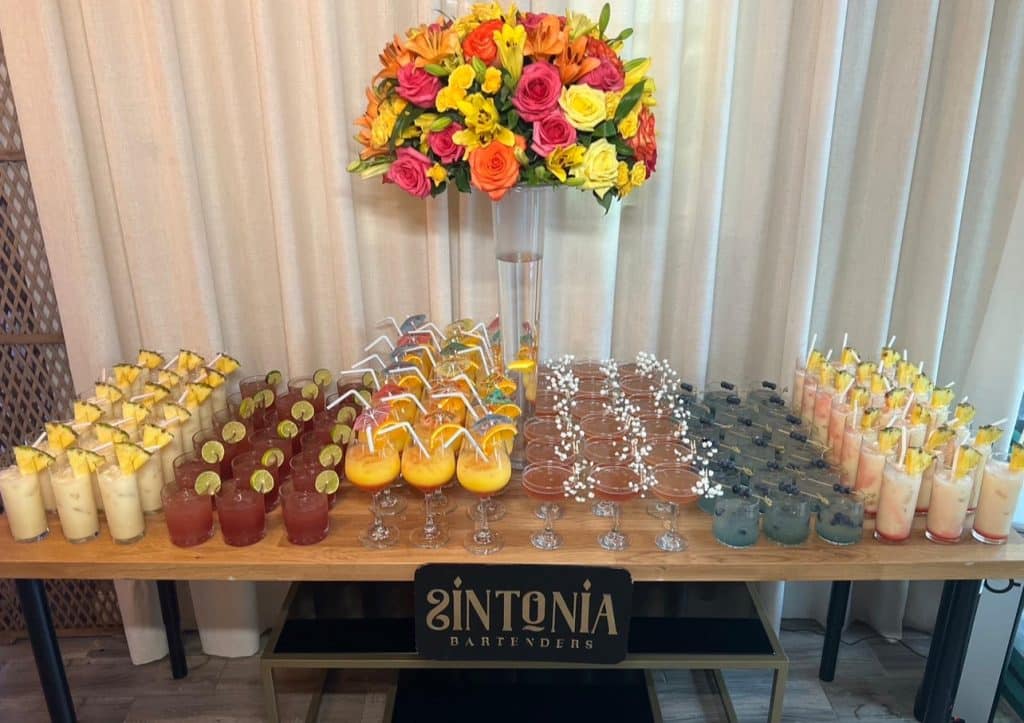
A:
341,557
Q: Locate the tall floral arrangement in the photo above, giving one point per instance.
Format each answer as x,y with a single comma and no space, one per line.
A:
499,98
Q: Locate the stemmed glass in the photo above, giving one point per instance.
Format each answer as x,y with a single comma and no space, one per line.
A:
373,465
428,470
484,471
615,485
426,425
545,482
602,453
674,485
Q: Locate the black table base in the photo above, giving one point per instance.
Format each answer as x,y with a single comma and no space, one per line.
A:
172,627
49,664
838,599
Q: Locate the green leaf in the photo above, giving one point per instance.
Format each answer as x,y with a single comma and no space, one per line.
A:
461,176
436,70
512,119
606,202
606,15
622,149
405,119
635,62
354,166
627,33
479,68
605,129
440,124
629,101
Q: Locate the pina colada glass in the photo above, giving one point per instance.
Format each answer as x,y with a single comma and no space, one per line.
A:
79,519
947,508
896,502
428,473
1000,488
374,470
484,473
23,505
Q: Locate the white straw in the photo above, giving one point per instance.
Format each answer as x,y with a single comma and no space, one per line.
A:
472,388
391,320
350,393
102,447
369,439
905,358
920,367
950,385
372,357
172,362
892,340
481,352
828,357
463,432
903,444
183,397
412,433
997,422
810,349
220,354
377,341
481,335
39,439
429,329
141,396
353,372
457,395
846,337
964,400
410,397
956,456
426,348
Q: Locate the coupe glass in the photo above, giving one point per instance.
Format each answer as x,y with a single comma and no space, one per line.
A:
674,486
615,485
545,482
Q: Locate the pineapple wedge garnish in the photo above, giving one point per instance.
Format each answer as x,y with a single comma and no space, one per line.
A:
848,356
158,391
189,361
84,461
941,397
826,376
106,433
897,399
963,414
31,460
135,411
918,415
1017,457
906,373
60,435
150,359
154,436
988,434
966,461
864,372
922,385
226,364
917,460
167,378
87,412
860,397
879,384
126,374
889,438
174,412
212,377
815,361
889,357
130,457
869,420
939,438
197,393
106,390
842,381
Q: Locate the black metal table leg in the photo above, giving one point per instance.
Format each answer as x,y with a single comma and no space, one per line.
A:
938,640
172,627
964,596
46,651
838,599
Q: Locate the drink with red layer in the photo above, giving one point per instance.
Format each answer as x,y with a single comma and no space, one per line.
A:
305,515
242,514
189,515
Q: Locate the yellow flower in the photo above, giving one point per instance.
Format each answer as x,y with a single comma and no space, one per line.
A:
482,12
578,24
638,174
492,81
462,77
384,123
448,98
647,98
584,106
637,73
628,125
565,159
622,182
481,124
437,174
611,101
510,41
600,167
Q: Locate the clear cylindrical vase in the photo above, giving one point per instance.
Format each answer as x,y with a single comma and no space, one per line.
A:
519,249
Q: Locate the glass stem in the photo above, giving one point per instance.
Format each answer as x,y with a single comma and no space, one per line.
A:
673,519
485,528
429,528
616,517
378,522
549,521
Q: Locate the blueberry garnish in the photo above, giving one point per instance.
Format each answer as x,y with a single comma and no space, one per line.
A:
770,385
733,400
728,385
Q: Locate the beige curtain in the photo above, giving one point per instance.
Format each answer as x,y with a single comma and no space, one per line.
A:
824,167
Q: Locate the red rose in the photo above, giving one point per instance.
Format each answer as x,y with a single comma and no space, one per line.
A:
480,42
551,132
441,143
538,91
409,172
606,76
417,86
643,143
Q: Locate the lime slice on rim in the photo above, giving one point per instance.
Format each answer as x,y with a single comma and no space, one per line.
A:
327,482
303,411
212,451
264,397
322,377
233,432
341,434
345,415
330,455
286,429
274,378
310,391
246,408
365,395
367,379
262,481
208,482
273,457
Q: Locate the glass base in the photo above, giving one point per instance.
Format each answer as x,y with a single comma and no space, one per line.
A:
546,540
942,540
732,546
379,537
890,540
981,537
392,503
429,540
613,541
442,504
150,513
130,540
670,542
495,510
306,539
659,510
41,536
603,508
541,512
484,542
81,540
838,543
244,540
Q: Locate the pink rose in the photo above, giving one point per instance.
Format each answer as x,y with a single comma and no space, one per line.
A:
551,132
538,91
417,86
606,76
409,172
531,21
441,143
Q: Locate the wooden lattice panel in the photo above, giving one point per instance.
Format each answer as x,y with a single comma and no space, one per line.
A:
10,138
37,386
76,606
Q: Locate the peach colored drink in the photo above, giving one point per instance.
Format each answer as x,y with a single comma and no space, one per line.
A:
870,469
1000,489
896,502
947,513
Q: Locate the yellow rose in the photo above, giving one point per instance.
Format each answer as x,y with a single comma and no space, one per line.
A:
462,77
584,106
492,81
628,125
638,174
437,174
449,98
600,168
622,180
565,159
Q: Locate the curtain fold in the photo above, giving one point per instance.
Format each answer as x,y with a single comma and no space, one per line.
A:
825,167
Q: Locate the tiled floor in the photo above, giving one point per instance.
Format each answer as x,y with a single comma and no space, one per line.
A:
876,680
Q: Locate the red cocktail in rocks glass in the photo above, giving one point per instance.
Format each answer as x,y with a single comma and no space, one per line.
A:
208,446
187,468
267,439
242,514
310,390
259,470
305,514
305,466
249,386
251,411
675,483
189,515
615,485
545,482
292,405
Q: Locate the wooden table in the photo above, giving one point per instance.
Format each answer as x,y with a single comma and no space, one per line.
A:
341,557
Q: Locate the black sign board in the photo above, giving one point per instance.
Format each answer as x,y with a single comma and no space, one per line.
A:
553,613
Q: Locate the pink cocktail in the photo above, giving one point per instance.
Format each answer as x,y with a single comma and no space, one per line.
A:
244,468
309,390
242,514
849,456
836,431
305,515
305,466
870,469
822,414
189,515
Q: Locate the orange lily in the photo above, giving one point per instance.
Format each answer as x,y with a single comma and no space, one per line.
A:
573,62
432,46
366,124
392,57
546,39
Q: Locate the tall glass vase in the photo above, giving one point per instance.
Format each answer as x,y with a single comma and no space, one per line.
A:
519,247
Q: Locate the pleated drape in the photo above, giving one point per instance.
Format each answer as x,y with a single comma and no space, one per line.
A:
825,167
